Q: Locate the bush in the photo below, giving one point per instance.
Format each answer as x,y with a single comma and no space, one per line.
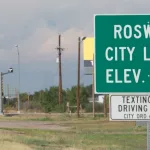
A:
88,107
59,108
10,104
35,105
98,107
47,108
32,106
73,109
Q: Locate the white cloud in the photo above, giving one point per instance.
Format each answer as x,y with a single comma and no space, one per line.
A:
69,41
41,46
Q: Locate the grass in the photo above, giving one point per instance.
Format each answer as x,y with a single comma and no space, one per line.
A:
85,133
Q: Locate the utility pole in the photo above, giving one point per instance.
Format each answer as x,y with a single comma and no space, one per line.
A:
10,70
1,95
93,90
78,82
2,85
60,72
105,107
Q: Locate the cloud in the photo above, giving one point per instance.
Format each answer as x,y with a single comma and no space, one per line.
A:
35,25
42,45
69,41
21,21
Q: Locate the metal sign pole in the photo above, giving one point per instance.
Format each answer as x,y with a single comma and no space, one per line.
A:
148,135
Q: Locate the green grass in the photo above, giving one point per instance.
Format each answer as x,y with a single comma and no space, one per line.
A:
54,139
41,119
33,141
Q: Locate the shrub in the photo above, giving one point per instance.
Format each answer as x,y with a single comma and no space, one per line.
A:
59,108
98,107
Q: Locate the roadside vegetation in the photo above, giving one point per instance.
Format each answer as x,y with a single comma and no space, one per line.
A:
47,100
85,133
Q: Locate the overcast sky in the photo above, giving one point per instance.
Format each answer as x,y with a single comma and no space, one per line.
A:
35,24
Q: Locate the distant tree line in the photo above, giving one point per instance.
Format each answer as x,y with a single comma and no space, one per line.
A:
47,100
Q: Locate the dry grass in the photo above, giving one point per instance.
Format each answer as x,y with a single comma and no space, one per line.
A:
5,145
85,133
7,142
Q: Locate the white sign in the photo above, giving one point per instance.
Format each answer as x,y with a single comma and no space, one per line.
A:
129,107
101,98
57,60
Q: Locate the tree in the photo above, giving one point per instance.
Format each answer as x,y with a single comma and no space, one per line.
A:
71,95
89,90
23,97
84,95
45,101
49,99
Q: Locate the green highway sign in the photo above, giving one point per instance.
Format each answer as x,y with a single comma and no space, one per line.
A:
122,53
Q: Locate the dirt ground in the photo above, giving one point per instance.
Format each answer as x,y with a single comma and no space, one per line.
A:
31,125
13,146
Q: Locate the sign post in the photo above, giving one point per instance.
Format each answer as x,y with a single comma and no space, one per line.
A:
131,108
148,135
122,65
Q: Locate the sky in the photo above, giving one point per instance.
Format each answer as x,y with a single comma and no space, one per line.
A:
34,25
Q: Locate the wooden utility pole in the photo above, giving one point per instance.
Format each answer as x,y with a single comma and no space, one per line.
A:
60,72
78,80
105,107
93,90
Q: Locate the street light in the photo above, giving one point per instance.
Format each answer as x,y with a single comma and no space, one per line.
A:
78,81
18,78
10,70
93,95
